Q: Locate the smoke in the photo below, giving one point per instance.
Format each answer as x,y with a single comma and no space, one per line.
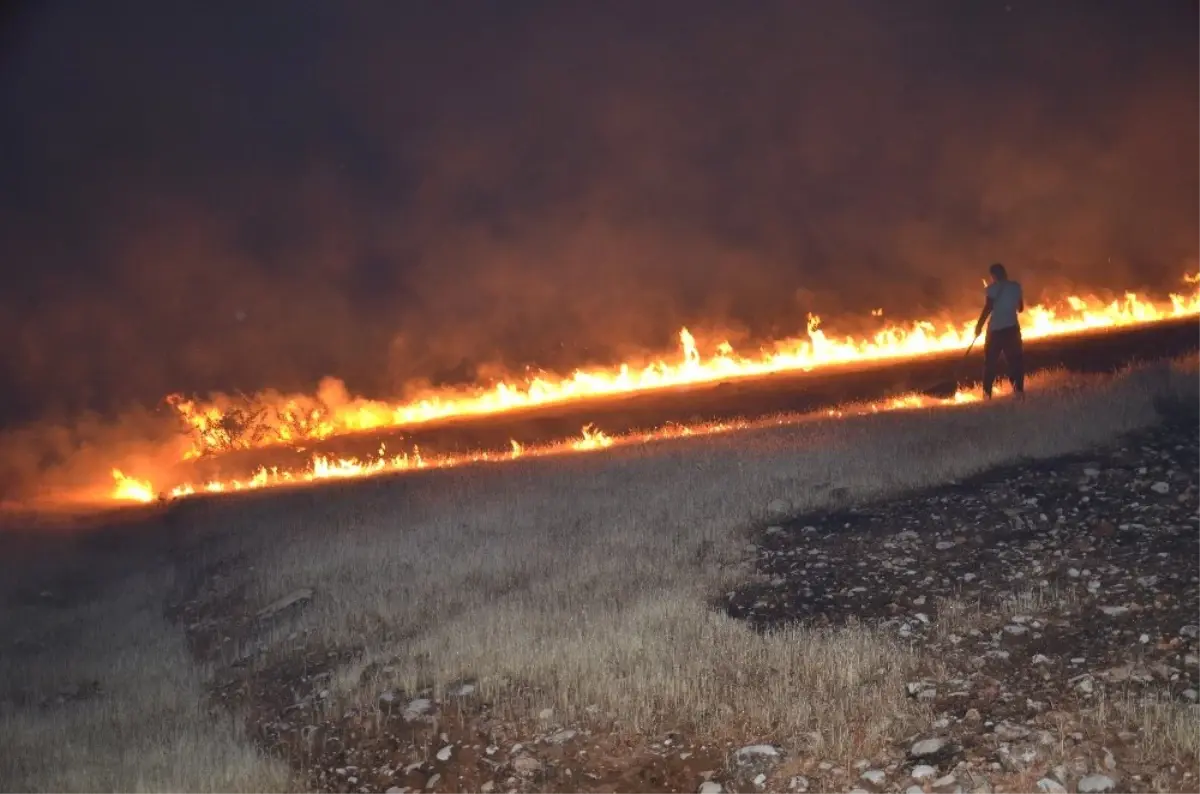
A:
396,194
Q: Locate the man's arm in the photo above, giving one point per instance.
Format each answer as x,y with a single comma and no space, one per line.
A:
987,309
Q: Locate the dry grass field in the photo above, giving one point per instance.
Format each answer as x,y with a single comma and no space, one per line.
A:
582,584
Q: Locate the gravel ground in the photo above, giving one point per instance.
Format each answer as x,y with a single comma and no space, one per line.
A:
1052,601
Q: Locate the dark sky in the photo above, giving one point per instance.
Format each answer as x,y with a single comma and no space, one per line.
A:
391,190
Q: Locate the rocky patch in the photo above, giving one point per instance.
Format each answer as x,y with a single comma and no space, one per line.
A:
1041,594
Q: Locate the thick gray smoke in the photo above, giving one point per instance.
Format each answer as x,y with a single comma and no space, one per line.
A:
216,197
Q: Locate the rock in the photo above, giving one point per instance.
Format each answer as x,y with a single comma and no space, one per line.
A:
295,598
1191,630
562,737
1017,758
779,508
875,777
461,690
760,779
1086,685
923,772
757,754
397,790
417,708
1160,487
445,753
946,782
927,747
1010,732
798,784
433,781
1016,630
914,790
488,787
710,787
1050,786
1114,612
1095,784
526,765
545,715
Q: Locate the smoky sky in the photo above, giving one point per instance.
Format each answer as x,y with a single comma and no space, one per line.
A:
222,196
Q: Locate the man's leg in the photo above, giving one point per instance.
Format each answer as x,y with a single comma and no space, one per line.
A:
991,351
1014,359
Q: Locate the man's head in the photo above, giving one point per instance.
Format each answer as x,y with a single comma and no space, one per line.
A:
998,272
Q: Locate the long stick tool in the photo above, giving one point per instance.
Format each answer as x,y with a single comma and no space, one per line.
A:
970,346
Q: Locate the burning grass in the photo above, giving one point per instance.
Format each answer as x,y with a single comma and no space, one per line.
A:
580,583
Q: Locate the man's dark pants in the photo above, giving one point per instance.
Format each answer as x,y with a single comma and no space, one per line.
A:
1006,342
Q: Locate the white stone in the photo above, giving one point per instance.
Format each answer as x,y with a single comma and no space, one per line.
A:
526,765
1095,784
756,752
1158,487
1050,786
445,752
1114,612
779,508
923,772
417,707
874,776
710,787
927,746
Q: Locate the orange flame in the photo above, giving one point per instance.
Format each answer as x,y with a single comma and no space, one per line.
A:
127,489
322,467
268,418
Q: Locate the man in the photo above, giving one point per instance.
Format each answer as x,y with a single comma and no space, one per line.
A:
1004,303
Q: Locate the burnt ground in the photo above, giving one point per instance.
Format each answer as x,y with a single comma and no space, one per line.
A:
1041,597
